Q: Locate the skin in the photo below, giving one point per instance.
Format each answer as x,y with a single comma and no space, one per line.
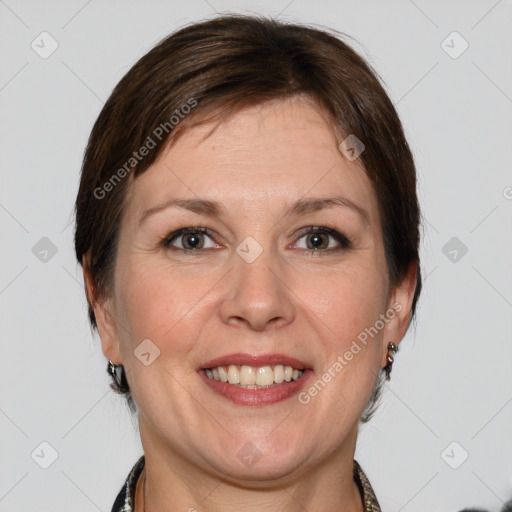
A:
204,305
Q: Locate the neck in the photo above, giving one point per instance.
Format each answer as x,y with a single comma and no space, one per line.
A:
172,483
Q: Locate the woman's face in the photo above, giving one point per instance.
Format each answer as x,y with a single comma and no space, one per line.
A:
256,284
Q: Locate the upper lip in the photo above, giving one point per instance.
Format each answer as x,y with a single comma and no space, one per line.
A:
255,360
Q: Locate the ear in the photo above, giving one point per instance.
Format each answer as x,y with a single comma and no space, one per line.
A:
400,302
104,314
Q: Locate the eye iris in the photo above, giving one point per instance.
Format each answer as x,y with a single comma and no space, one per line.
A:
316,240
197,243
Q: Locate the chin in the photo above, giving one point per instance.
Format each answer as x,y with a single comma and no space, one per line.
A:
253,458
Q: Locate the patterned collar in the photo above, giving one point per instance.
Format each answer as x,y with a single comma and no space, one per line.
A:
125,499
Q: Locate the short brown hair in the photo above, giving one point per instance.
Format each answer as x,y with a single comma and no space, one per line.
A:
217,67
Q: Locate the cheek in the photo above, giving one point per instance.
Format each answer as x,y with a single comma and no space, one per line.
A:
156,303
345,306
346,300
155,300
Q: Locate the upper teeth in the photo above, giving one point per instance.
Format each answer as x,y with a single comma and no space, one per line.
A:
254,376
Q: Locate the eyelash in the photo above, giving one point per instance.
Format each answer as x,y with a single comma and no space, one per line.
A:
342,239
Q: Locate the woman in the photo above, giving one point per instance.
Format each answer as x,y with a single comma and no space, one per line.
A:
248,226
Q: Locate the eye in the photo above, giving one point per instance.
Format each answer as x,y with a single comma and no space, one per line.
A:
192,239
317,239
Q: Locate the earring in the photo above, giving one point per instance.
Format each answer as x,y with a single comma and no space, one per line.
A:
117,373
392,349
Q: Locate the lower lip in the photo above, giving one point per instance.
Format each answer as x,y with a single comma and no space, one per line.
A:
262,396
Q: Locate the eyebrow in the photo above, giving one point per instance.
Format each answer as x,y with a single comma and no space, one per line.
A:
299,208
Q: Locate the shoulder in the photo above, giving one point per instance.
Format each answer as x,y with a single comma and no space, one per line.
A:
367,493
125,499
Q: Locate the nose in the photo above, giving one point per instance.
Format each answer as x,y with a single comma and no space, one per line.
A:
258,295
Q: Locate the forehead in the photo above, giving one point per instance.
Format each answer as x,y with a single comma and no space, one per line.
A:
260,157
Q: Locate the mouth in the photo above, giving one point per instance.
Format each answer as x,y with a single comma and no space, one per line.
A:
255,380
252,377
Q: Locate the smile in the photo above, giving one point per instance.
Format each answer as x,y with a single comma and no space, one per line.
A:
250,377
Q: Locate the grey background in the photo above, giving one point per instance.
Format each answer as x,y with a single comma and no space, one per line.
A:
452,380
